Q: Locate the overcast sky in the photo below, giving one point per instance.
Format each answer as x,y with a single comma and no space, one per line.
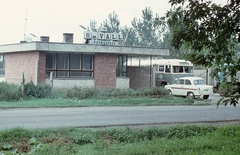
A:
54,17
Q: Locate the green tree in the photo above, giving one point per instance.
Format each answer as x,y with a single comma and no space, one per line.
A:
112,23
210,32
113,26
130,36
145,29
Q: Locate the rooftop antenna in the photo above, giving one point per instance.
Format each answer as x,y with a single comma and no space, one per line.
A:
25,26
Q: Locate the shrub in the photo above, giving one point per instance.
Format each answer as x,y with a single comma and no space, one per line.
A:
79,93
36,91
9,92
84,93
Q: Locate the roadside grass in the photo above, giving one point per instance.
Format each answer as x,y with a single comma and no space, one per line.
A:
180,140
127,101
42,96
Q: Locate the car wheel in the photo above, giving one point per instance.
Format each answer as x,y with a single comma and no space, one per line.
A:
190,95
205,97
170,92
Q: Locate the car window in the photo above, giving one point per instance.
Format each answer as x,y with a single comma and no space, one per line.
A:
180,81
199,82
187,82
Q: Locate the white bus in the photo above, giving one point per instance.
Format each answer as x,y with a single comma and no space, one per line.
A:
167,70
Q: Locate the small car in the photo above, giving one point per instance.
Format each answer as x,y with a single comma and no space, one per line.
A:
191,87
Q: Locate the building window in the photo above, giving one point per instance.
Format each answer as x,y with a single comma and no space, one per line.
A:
69,65
121,66
2,65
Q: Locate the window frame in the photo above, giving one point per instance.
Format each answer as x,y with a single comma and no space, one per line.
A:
121,66
2,69
68,70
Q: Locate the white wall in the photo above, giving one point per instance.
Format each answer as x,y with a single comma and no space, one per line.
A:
122,82
71,83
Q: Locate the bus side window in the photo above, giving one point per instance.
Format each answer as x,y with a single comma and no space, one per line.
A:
168,69
181,69
161,68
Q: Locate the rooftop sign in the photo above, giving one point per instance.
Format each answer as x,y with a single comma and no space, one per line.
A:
102,38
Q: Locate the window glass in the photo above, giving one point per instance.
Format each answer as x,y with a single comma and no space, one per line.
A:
87,62
121,66
180,81
188,69
161,68
75,61
49,72
1,61
187,82
62,61
51,60
69,65
199,82
168,68
2,65
177,69
81,74
62,74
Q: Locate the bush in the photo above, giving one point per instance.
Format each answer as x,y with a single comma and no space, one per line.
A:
36,91
79,93
87,93
9,92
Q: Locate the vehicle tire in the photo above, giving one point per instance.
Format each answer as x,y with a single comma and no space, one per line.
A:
170,92
190,95
222,92
163,84
205,97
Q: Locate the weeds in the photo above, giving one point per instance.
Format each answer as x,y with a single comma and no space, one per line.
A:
88,93
13,92
154,140
9,92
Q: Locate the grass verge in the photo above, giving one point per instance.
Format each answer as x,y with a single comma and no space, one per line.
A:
173,140
66,102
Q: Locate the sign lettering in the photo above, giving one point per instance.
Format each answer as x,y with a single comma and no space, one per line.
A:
101,38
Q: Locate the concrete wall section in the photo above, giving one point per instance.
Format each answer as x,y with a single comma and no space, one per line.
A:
122,82
71,83
105,70
18,63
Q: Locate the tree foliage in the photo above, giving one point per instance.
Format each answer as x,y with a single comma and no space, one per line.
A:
142,32
211,32
146,30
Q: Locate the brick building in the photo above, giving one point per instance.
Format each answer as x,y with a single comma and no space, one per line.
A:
67,64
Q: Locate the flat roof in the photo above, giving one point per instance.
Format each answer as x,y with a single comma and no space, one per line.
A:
85,48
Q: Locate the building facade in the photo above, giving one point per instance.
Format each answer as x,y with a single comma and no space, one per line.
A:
66,64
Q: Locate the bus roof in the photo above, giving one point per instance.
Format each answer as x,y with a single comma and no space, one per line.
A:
146,62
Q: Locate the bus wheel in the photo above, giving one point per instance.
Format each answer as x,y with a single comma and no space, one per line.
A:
205,97
190,95
163,84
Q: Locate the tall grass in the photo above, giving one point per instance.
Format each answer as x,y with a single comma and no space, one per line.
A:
87,93
13,92
9,92
153,140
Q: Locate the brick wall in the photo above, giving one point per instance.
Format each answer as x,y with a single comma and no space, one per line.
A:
105,70
24,62
139,77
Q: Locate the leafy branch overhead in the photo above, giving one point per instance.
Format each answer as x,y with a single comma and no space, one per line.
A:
211,31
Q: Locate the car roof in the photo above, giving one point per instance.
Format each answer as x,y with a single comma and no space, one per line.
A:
192,78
